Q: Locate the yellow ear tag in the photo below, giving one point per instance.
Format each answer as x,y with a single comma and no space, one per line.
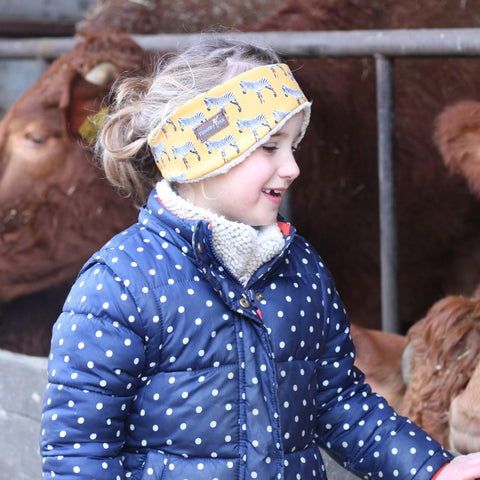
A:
92,125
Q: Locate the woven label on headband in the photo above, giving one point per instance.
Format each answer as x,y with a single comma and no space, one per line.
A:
220,128
212,126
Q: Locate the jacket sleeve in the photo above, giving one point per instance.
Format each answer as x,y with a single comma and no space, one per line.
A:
358,427
95,364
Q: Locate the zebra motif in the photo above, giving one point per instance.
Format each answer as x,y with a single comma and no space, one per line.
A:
169,122
183,150
253,124
297,94
279,115
221,102
159,150
221,145
274,68
257,86
192,122
290,74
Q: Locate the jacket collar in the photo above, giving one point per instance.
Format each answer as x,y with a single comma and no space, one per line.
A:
194,238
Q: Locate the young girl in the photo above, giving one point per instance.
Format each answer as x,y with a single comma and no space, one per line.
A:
207,341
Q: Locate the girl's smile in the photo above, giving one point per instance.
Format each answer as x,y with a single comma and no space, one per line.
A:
274,195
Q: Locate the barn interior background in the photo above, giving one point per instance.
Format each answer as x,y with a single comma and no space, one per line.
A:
35,18
337,201
335,205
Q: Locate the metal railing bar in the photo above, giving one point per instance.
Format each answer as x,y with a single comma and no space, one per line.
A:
347,43
387,196
353,43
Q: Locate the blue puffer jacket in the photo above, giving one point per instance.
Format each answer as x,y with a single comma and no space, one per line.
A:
163,366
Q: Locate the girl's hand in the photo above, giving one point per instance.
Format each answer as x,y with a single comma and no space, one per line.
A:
463,467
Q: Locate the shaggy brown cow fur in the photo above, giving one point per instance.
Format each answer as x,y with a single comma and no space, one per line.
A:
53,203
432,374
457,134
441,364
464,417
173,16
444,348
55,207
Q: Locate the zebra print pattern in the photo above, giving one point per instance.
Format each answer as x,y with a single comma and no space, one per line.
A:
275,68
257,86
159,152
196,129
192,122
221,102
183,150
297,94
165,130
222,145
253,124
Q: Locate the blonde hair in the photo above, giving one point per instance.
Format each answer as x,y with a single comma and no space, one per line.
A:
140,104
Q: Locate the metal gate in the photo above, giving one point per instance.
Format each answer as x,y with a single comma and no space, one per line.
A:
382,45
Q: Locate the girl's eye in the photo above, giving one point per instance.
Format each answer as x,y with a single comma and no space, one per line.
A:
270,148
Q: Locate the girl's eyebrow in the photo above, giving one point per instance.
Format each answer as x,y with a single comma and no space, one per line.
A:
283,134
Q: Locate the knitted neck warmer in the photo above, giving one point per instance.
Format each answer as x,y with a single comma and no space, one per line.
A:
242,248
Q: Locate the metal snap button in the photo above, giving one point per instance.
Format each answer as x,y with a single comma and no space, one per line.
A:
244,303
259,297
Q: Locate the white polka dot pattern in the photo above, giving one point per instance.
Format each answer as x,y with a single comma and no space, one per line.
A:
163,366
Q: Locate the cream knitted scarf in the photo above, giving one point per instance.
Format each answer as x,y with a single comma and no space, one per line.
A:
243,248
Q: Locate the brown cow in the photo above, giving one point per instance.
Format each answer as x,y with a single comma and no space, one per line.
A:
431,375
445,346
55,207
441,362
443,356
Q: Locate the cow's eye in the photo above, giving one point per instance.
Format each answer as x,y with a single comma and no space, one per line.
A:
35,138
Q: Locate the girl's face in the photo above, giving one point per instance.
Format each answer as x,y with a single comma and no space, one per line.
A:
252,191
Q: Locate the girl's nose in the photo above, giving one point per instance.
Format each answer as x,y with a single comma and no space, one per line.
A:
289,168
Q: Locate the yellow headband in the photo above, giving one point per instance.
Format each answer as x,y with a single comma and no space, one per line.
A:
219,129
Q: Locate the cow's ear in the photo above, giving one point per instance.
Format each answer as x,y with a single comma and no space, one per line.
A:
457,134
88,98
